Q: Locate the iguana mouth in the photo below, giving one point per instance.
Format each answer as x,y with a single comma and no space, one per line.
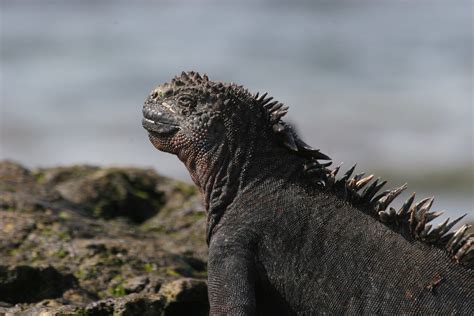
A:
159,127
156,120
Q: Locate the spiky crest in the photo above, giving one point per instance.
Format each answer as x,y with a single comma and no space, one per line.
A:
274,110
411,219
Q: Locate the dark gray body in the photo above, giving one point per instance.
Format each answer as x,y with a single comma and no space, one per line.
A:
285,235
303,253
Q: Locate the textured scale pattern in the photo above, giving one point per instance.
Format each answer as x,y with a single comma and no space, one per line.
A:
286,234
412,217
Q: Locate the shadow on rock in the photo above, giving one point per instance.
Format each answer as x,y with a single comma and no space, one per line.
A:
24,284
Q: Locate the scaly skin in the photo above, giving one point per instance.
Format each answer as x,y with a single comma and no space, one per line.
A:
285,236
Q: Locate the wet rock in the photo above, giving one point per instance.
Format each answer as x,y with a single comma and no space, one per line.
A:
180,297
133,304
185,297
118,264
111,192
40,311
136,284
14,176
19,189
183,219
14,229
24,284
56,175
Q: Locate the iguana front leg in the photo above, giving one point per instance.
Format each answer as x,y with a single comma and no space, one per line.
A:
231,280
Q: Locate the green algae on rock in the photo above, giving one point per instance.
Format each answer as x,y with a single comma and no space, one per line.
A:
120,237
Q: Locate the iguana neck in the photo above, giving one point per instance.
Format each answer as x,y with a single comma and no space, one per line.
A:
225,170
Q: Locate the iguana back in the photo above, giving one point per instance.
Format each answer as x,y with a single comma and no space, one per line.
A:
322,255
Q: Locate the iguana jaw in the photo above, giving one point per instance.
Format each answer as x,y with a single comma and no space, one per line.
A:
158,128
158,122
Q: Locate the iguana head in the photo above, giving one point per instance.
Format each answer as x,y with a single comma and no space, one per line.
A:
194,118
193,113
186,114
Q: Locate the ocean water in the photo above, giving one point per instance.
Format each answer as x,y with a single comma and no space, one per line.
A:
387,84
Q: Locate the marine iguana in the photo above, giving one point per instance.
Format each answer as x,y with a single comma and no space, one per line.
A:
285,235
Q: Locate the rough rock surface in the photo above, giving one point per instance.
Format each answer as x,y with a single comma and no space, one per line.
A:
100,241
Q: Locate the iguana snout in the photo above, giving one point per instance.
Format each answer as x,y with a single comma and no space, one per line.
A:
158,122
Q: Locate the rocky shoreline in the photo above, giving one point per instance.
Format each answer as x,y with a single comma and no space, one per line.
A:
85,240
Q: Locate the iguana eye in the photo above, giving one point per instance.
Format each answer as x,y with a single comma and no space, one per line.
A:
187,101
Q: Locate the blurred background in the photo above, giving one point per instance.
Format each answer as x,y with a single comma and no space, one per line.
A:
387,84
